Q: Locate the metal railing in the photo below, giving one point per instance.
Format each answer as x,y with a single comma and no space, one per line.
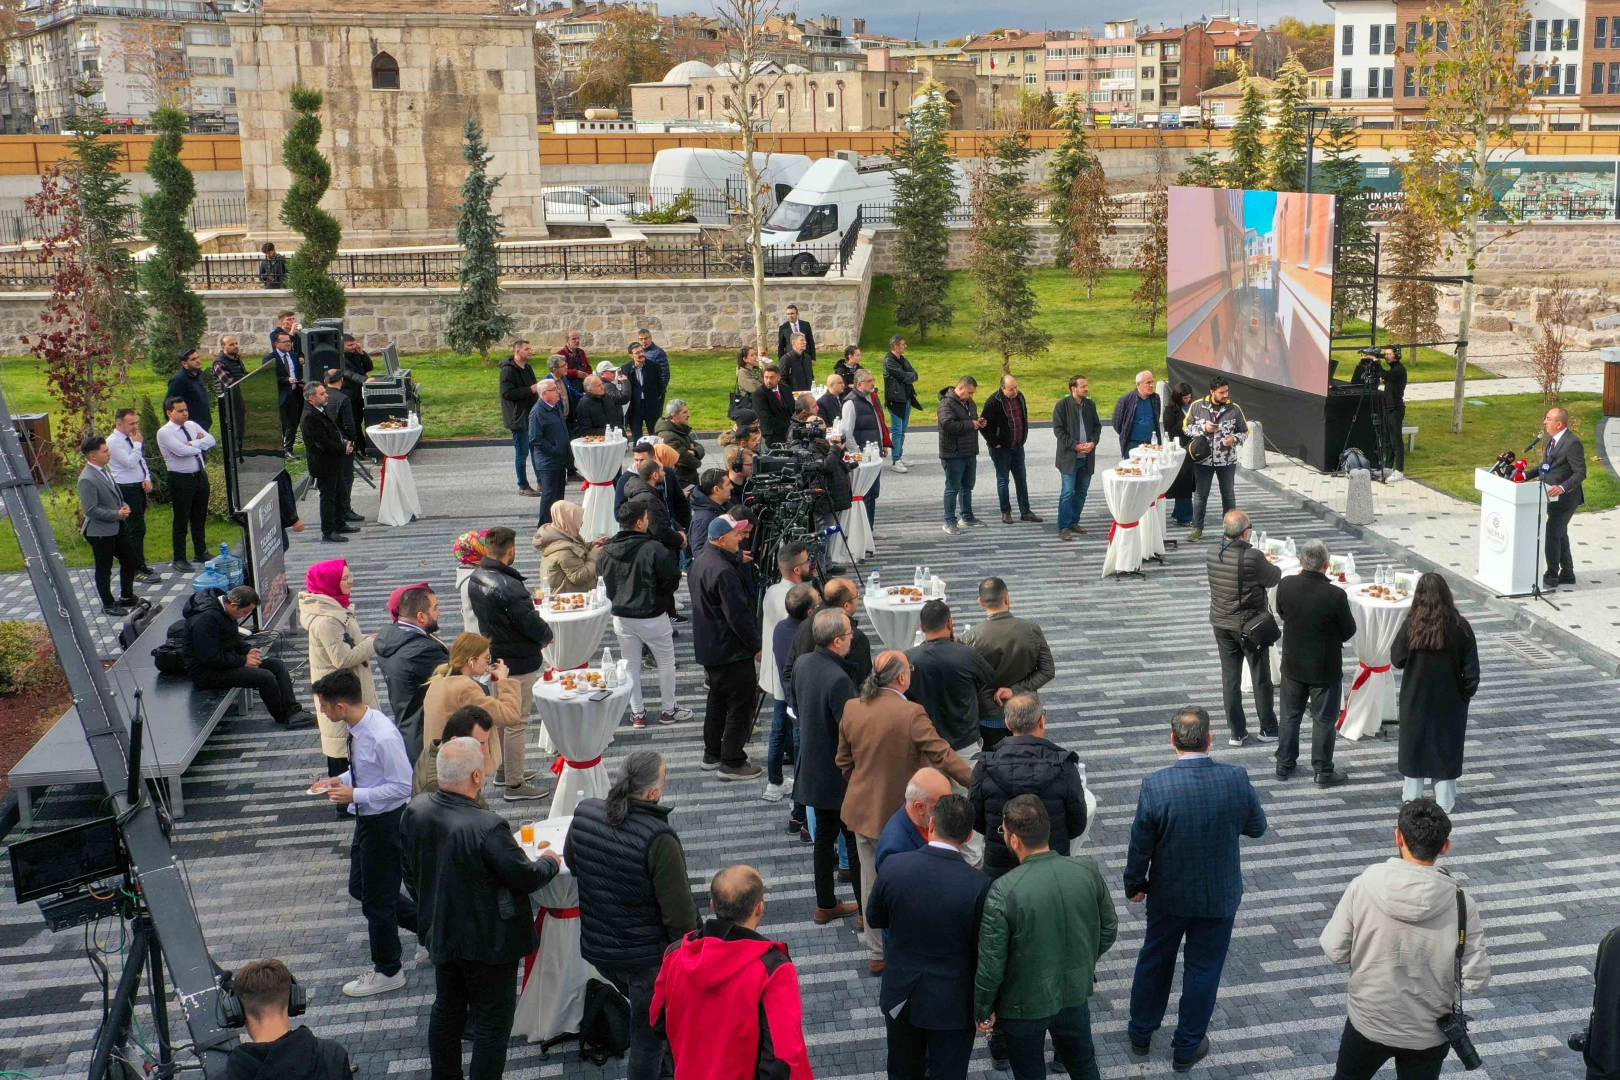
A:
961,215
20,227
1553,206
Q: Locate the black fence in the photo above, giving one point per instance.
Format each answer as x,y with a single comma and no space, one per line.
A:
961,215
1384,205
21,227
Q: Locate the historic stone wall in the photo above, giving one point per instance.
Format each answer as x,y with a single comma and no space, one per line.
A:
1572,245
396,157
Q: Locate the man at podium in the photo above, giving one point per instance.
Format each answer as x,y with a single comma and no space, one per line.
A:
1563,468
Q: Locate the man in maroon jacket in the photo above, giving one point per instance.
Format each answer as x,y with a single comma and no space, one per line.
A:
727,998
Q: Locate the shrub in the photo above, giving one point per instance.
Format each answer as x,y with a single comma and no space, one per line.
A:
27,656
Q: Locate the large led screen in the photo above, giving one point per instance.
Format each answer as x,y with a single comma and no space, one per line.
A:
1250,281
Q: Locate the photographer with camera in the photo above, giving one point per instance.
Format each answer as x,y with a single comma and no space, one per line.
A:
1397,926
1394,397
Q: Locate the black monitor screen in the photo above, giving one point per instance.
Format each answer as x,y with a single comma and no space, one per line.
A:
254,444
63,860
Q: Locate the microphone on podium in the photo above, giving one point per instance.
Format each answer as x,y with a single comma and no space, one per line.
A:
1534,441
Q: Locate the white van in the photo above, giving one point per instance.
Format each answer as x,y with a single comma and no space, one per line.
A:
716,177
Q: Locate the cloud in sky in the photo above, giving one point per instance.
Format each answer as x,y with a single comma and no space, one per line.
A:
946,19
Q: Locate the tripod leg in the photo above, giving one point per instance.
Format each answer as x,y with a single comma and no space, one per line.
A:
160,1005
115,1029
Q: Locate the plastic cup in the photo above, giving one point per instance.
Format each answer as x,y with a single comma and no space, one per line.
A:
527,832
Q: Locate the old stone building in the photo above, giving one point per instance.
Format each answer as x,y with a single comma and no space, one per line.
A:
400,81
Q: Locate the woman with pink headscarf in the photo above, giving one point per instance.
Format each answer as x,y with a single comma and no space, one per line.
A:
335,644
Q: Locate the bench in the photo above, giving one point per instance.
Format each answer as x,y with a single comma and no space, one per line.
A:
179,719
1409,433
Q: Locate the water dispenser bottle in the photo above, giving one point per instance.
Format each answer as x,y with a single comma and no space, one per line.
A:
228,566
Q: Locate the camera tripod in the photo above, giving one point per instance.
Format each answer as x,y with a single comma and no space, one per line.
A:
108,1062
1367,377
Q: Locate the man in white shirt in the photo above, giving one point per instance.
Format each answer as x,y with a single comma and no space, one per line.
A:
183,444
797,568
375,788
134,478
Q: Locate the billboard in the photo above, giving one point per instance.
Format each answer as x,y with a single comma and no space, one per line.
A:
1250,283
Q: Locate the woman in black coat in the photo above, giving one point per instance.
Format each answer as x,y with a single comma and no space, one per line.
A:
1435,650
1175,427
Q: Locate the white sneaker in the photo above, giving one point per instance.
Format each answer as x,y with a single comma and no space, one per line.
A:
900,466
1395,474
787,786
773,792
374,982
421,954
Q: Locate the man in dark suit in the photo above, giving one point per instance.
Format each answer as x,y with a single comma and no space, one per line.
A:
645,385
795,325
773,404
797,366
1317,621
341,408
289,383
1183,860
929,901
1563,470
326,448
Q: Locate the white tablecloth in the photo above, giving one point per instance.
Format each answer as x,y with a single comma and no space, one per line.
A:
598,463
896,623
1128,499
398,503
855,532
1371,697
580,729
1153,531
576,635
553,998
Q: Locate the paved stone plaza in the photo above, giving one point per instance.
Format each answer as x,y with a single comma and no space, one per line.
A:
1534,835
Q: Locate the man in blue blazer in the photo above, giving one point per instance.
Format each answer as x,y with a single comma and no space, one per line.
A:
1183,860
929,901
646,385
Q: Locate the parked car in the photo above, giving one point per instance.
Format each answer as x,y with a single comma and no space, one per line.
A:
590,203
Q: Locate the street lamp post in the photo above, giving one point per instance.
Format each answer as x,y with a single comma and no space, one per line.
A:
1315,115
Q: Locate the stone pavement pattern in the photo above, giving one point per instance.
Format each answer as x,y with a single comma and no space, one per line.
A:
1533,842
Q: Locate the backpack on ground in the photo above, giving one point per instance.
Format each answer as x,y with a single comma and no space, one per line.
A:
136,622
604,1029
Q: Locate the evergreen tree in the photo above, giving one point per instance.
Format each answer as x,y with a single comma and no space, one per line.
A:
178,314
1203,169
1246,161
476,320
316,294
1285,158
1069,160
924,194
1002,243
1340,174
114,305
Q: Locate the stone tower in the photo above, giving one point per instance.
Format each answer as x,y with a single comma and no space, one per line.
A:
400,80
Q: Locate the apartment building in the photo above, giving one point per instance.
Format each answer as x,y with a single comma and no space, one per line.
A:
1172,65
1017,54
1235,43
1102,68
119,50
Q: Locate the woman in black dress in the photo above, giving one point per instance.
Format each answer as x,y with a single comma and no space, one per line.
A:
1175,427
1435,650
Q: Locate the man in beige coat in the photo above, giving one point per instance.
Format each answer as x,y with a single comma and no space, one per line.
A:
1396,926
882,740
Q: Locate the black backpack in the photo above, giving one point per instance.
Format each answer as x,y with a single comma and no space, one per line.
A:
604,1029
136,622
170,658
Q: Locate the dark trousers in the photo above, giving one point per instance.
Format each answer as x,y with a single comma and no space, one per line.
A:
1323,702
990,737
376,870
729,714
871,500
482,995
1393,419
1559,561
924,1054
1009,463
1360,1057
346,490
829,827
1071,1044
1207,941
649,1056
135,525
1233,655
1202,474
960,473
641,421
553,483
330,482
270,679
188,492
106,549
337,766
292,410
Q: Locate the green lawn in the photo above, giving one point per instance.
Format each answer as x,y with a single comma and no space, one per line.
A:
1426,365
62,505
1492,425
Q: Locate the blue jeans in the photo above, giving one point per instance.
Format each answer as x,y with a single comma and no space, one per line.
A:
1071,1043
1072,498
1207,942
520,447
899,420
959,476
1181,510
784,732
1009,463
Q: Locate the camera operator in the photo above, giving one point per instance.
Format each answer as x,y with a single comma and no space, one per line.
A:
1394,393
276,1050
840,491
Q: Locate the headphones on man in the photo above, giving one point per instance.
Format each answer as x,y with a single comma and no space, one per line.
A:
234,1013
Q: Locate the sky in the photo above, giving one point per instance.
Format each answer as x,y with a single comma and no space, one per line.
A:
945,19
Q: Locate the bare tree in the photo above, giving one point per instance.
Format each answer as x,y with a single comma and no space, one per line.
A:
551,83
154,57
1555,308
752,78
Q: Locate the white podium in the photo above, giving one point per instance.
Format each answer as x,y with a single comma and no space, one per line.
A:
1510,518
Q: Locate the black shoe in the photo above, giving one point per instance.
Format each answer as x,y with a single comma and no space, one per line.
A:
114,610
1285,774
846,876
1027,516
297,719
203,556
347,528
180,566
148,577
1006,517
1056,1066
128,601
1567,579
1549,583
1140,1051
352,516
678,617
1200,1052
805,837
1240,741
334,538
1330,779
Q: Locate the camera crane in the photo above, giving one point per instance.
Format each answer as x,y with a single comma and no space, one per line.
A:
166,923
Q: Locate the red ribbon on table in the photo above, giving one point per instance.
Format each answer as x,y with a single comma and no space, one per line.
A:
383,484
1118,526
586,485
1361,678
557,766
539,931
857,498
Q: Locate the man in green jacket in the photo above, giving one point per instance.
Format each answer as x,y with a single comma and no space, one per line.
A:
1044,926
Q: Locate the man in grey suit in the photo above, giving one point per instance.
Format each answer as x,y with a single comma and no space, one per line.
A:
1184,861
1563,468
104,513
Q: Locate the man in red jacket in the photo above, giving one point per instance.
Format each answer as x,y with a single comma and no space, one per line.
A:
728,999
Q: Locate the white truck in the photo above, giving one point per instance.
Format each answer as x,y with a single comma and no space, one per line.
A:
716,178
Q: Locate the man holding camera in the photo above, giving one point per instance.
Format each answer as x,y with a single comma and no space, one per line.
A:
1397,927
1394,393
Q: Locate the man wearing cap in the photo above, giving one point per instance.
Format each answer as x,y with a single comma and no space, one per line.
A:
726,641
187,384
608,372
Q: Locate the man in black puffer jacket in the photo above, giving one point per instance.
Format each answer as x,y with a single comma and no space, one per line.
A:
471,882
639,574
1026,763
506,614
274,1049
647,484
217,660
709,500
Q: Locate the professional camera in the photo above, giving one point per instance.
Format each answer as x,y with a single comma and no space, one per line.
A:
1454,1026
1368,370
791,460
